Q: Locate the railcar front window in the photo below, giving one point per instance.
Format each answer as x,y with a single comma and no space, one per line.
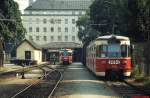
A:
114,51
65,53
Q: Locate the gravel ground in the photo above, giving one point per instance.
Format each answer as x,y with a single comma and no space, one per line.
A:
10,86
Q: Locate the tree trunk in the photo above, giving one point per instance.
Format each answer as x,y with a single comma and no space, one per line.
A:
1,52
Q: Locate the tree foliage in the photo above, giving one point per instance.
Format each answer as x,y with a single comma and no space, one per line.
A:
11,27
86,33
111,13
123,17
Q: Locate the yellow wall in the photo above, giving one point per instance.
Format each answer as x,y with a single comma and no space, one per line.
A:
35,54
38,55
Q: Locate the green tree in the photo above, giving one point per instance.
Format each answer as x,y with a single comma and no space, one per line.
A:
86,33
11,26
112,13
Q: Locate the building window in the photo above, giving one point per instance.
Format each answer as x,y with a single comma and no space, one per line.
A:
30,29
30,20
59,21
30,12
37,29
73,38
52,21
80,13
30,38
59,29
45,38
66,21
59,38
44,29
52,29
37,20
73,29
44,21
37,38
52,38
73,13
66,29
73,21
66,38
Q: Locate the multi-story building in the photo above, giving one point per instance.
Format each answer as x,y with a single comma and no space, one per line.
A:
49,21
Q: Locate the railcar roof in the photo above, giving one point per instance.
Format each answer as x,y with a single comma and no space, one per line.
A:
106,37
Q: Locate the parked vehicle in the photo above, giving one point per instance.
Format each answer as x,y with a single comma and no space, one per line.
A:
65,56
109,56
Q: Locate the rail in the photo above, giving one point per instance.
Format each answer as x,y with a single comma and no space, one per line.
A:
50,95
47,77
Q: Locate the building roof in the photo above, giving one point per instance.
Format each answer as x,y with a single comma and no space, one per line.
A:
60,45
33,44
106,37
60,5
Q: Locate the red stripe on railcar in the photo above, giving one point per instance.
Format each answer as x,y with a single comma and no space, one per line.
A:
114,64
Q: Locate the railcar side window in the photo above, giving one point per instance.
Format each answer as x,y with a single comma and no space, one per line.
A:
129,51
101,51
97,51
124,50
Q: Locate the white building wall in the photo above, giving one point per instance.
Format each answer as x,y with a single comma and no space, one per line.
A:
35,20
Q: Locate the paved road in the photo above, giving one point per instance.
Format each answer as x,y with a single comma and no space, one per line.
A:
78,82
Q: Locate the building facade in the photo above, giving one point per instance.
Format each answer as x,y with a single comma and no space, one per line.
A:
49,21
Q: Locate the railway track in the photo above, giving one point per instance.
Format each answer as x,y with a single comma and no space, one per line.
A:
45,87
124,89
13,73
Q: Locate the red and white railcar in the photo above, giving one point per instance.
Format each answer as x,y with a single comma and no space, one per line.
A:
65,56
109,54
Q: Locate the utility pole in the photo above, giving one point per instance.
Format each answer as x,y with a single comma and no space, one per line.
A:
110,4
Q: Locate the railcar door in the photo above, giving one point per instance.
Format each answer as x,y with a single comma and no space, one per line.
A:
27,54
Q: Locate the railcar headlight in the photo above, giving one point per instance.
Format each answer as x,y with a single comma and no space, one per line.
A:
103,62
124,62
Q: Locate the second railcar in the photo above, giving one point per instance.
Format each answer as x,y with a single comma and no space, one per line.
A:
65,56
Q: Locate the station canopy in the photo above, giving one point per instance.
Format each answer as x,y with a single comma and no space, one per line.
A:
61,45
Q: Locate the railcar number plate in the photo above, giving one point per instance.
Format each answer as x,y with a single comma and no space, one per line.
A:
113,62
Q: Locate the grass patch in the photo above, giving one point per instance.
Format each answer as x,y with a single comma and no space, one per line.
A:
147,82
144,80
